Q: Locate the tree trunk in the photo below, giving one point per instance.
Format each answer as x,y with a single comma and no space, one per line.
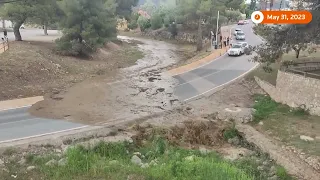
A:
297,50
45,29
297,53
16,30
199,39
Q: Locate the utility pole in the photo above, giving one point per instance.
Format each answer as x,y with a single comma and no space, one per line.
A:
217,29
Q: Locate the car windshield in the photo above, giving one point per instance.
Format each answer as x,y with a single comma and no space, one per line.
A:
240,33
236,46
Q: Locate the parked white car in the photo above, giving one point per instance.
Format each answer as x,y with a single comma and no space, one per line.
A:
236,31
240,36
236,49
244,44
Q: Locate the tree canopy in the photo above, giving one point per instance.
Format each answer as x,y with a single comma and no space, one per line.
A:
86,26
280,40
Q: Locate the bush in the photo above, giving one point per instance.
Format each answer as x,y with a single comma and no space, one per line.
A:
166,22
230,133
156,21
173,30
133,25
72,47
144,23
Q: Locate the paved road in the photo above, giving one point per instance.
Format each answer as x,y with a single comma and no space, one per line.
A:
204,79
34,34
18,124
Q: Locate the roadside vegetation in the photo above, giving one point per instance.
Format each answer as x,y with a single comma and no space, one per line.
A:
287,124
153,154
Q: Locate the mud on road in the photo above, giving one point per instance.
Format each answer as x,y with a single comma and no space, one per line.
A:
140,90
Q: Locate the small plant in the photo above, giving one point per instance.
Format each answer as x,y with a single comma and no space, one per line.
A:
231,132
300,111
264,107
30,158
282,173
160,145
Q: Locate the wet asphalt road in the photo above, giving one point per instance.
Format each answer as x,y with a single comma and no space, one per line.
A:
17,124
204,79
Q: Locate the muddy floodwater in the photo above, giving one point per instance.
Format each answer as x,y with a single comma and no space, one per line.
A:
142,89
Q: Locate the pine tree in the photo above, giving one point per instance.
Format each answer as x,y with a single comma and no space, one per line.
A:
86,26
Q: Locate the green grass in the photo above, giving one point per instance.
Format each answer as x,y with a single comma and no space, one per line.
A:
287,124
282,173
95,163
112,161
230,132
265,108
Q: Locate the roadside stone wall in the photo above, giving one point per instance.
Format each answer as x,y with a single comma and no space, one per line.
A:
295,91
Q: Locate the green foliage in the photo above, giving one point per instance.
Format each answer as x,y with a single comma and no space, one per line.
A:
85,29
133,25
265,107
112,161
230,133
173,29
232,16
18,12
156,21
149,7
166,22
47,13
233,4
124,8
282,173
144,23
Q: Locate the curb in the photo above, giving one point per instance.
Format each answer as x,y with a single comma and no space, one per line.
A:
19,103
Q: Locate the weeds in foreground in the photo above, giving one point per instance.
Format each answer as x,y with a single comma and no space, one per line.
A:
230,132
166,162
265,107
282,173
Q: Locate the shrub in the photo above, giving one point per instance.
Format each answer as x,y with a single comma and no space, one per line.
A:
173,30
264,107
230,133
156,21
143,23
166,22
133,25
67,47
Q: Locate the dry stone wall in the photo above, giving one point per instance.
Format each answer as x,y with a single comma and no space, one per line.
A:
294,90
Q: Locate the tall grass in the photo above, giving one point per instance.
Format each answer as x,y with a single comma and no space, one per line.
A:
113,161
